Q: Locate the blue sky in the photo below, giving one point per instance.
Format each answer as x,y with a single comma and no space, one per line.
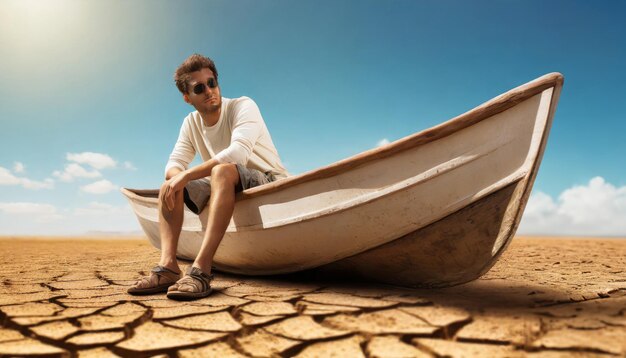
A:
332,79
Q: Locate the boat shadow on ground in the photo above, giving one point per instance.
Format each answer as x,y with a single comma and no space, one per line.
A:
500,294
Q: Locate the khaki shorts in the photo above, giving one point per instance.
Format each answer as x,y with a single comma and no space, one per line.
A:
197,192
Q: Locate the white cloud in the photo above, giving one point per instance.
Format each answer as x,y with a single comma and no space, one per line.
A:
595,209
46,219
36,185
74,170
95,160
80,163
100,187
382,142
29,213
97,209
7,178
128,165
19,167
27,208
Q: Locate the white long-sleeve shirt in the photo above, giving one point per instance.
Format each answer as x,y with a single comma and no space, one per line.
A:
239,136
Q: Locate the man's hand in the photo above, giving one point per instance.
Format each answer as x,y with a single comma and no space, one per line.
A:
172,186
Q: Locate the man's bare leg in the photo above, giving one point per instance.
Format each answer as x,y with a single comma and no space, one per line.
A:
170,225
224,179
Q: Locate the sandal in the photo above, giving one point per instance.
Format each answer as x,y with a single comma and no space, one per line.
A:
159,280
196,284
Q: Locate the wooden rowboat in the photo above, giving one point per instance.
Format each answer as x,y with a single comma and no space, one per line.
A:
434,209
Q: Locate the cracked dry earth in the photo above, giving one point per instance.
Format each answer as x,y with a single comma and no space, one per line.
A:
545,297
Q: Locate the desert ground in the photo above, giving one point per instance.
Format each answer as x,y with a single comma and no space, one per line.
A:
546,297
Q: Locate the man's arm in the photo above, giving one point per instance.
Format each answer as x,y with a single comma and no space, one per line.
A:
182,155
177,179
247,127
183,152
197,172
172,172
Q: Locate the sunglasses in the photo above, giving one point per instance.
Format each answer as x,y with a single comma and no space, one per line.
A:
201,87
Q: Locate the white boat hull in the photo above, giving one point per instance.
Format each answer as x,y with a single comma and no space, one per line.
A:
347,216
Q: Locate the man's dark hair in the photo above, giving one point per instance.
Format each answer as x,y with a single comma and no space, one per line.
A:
193,63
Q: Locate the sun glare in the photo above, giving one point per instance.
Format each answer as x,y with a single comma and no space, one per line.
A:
33,27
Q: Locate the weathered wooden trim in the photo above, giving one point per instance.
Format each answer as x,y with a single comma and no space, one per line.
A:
485,110
141,195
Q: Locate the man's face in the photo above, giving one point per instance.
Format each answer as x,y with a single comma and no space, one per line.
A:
208,100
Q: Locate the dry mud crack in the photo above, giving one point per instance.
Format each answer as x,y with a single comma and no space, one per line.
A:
546,297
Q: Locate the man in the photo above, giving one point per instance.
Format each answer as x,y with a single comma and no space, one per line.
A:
237,153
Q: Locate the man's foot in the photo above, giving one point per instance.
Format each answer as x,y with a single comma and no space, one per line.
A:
196,284
159,280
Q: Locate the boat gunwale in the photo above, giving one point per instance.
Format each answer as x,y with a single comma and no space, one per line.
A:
485,110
